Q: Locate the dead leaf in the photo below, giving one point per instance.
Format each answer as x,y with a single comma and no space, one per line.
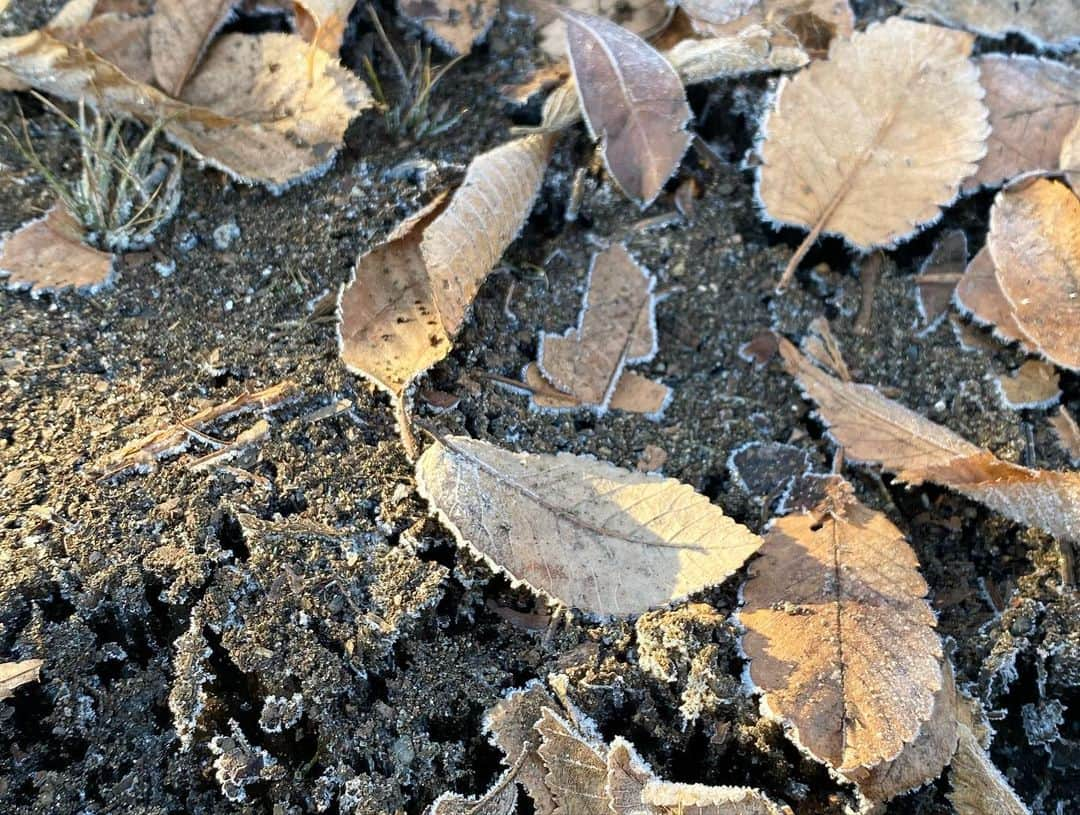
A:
1047,23
979,295
510,723
896,107
1033,385
642,17
633,102
119,39
576,766
1070,157
49,255
1034,241
840,636
652,459
500,799
940,275
978,787
666,798
627,776
722,57
591,535
717,12
257,433
1033,104
813,23
322,22
409,295
634,393
180,33
1068,434
456,25
876,430
14,674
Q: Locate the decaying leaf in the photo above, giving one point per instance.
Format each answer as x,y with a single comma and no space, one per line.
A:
180,33
627,776
591,535
14,674
1052,23
1033,105
322,22
840,636
876,430
510,723
576,765
897,107
456,25
1034,241
409,295
939,276
49,254
979,295
1070,157
633,102
978,788
1068,434
1033,385
642,17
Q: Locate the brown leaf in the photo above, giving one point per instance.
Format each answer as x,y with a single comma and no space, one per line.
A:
634,393
322,22
722,57
119,39
49,255
510,723
813,23
576,766
409,295
979,295
1033,104
717,12
840,637
642,17
1044,22
978,787
501,799
939,276
1068,434
666,798
591,535
180,33
1070,157
1034,384
1034,241
876,430
456,25
14,674
627,776
633,102
896,107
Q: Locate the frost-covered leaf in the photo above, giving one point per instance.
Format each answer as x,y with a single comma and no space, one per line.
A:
896,108
639,16
1034,384
1053,23
322,22
666,798
1068,434
1034,241
49,254
978,787
456,25
1033,104
939,276
594,536
722,57
979,295
118,39
576,766
180,33
812,23
875,430
634,393
501,799
14,674
409,295
840,636
633,102
627,776
510,724
717,12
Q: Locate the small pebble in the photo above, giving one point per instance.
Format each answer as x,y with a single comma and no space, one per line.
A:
225,234
165,268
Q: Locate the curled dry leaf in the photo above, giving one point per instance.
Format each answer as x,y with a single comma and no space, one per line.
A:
642,17
1052,23
840,637
1068,434
1034,241
510,723
180,32
978,787
49,254
633,102
409,295
897,107
594,536
456,25
14,674
876,430
939,276
979,295
1033,104
1033,385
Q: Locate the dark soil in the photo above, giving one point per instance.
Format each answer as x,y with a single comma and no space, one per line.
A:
299,621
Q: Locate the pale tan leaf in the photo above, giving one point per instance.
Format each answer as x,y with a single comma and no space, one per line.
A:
840,636
897,107
978,787
1070,157
717,12
1034,241
456,25
49,254
633,102
1068,434
180,33
119,39
501,799
666,798
939,276
979,295
1052,23
322,22
510,723
576,766
921,761
721,57
616,327
14,674
591,535
876,430
627,776
813,23
634,393
1033,104
1034,384
409,295
642,17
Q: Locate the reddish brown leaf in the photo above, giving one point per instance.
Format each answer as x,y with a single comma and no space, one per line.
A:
979,295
